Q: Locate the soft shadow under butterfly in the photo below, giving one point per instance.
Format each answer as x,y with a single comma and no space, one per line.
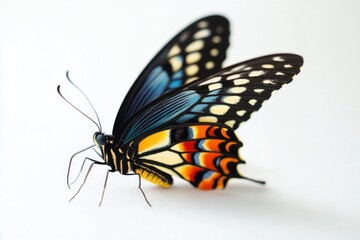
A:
179,117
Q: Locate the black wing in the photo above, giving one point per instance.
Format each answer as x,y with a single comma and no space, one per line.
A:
228,96
195,52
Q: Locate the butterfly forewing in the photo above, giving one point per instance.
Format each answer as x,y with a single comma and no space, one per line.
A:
195,52
228,96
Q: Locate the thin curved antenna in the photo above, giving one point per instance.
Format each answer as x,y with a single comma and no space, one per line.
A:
97,125
97,116
68,173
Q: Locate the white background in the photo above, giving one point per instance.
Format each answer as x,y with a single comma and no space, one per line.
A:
305,141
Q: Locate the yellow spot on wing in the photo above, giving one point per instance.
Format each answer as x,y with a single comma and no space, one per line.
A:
195,46
175,50
165,157
154,141
193,57
219,109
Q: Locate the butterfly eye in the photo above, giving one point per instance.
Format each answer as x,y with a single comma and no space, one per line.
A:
99,139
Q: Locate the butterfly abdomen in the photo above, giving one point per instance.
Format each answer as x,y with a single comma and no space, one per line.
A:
154,176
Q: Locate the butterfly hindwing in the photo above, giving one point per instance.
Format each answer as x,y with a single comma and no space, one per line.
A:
206,155
228,96
195,52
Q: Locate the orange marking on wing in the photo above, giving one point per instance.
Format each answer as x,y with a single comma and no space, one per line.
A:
228,146
207,160
188,146
199,131
211,131
212,145
221,182
187,157
208,183
189,172
224,162
224,133
156,140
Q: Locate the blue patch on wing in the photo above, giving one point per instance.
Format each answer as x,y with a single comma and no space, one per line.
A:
200,108
175,83
186,118
153,87
163,112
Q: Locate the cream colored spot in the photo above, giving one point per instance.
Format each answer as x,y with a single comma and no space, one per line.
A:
267,66
189,80
241,113
258,90
252,102
176,63
278,59
193,57
214,52
219,109
208,119
203,33
247,68
256,73
268,82
203,24
288,66
175,50
231,99
168,157
241,81
210,65
237,89
214,86
237,68
195,46
279,74
234,76
211,80
230,123
191,70
216,39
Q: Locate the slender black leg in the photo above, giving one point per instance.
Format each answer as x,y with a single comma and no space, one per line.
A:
128,174
102,196
142,190
82,168
86,176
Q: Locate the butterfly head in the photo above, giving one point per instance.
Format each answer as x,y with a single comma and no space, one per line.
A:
99,139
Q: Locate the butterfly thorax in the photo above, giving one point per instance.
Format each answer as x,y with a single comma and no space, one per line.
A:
113,156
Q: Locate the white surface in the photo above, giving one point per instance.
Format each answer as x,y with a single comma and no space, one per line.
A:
304,141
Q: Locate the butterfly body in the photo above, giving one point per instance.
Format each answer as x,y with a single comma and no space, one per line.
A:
180,115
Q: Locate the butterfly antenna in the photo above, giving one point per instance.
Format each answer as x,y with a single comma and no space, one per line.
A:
98,126
97,116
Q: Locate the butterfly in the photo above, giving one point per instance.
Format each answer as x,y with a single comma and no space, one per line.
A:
179,117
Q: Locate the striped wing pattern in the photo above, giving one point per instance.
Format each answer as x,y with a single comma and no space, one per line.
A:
195,52
228,96
206,155
233,94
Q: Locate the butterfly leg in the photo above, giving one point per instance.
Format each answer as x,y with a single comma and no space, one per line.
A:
87,174
82,168
102,195
140,187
